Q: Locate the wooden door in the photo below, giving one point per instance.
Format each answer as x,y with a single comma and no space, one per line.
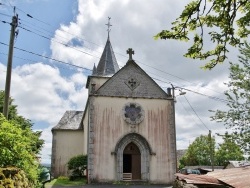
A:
132,161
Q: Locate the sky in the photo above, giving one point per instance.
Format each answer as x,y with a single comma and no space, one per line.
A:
73,32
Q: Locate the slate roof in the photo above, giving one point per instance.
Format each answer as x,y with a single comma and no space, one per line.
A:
233,177
144,87
107,64
71,120
233,164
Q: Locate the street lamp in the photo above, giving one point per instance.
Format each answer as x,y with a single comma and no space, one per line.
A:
181,93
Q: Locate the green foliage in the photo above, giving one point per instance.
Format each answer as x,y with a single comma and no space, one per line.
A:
237,117
65,182
202,152
228,150
16,147
13,177
78,164
226,22
199,152
19,144
23,123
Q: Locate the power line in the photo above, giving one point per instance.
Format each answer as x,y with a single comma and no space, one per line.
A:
3,21
64,44
99,52
188,112
195,113
46,37
5,14
30,16
215,98
48,57
211,97
168,82
202,94
116,53
30,60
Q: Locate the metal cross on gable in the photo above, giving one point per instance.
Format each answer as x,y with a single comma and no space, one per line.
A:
109,25
130,51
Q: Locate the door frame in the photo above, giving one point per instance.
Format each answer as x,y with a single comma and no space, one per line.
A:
145,151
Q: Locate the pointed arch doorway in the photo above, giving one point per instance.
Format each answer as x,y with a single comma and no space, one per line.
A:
145,151
132,161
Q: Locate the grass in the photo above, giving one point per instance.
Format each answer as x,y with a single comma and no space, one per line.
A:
64,181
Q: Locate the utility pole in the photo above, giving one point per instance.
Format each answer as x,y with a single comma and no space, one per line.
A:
13,24
211,149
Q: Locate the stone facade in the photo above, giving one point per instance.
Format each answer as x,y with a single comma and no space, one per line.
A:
110,133
127,127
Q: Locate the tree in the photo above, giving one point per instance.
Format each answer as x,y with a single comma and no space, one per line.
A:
16,148
237,117
19,144
202,151
225,22
199,152
23,123
228,151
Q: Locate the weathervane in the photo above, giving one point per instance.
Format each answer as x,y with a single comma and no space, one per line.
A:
109,25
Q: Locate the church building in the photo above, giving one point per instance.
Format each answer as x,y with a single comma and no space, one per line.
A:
127,128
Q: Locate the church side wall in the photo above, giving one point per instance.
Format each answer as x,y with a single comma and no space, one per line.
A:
66,144
157,128
85,129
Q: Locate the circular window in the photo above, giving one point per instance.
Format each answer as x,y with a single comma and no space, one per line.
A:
133,113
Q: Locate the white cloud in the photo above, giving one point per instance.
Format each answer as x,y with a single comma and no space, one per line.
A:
42,92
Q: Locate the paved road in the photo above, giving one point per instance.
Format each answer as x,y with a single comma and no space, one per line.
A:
114,186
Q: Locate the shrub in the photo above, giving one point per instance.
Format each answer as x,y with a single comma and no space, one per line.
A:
14,177
77,165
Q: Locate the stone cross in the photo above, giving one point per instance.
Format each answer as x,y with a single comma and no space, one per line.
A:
130,51
132,83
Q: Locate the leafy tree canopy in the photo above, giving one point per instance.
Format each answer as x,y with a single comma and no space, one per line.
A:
16,148
23,123
19,144
228,151
202,151
237,117
199,152
225,22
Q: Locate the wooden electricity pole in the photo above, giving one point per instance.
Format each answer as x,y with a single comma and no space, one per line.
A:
211,149
9,67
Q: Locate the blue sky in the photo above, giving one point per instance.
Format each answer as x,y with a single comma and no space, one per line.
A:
47,17
44,89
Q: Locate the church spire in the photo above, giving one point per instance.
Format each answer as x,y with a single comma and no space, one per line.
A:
107,64
94,70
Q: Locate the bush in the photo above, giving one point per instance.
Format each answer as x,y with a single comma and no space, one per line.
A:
77,165
16,149
14,177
